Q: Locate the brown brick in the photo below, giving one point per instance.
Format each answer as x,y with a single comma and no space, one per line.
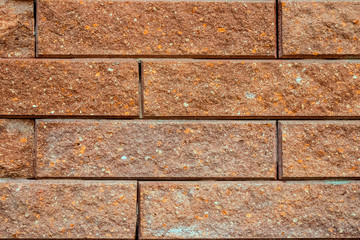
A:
156,149
322,28
16,148
213,28
224,210
319,149
17,28
69,87
67,209
253,88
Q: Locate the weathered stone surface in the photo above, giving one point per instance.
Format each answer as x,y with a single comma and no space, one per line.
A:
69,87
157,28
223,210
303,88
17,28
321,28
67,209
318,149
16,148
156,149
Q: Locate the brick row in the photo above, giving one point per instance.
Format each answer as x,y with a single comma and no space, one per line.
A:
249,210
63,209
37,87
179,149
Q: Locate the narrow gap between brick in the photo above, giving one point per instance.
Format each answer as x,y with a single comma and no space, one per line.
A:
141,104
279,151
277,27
137,210
34,151
35,27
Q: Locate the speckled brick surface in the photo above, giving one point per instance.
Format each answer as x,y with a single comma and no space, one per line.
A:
318,149
64,209
303,88
157,28
17,39
321,28
224,210
16,148
156,149
69,87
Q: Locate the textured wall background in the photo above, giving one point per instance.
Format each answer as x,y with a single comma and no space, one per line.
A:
179,119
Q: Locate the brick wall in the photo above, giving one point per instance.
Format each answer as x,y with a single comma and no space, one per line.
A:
179,119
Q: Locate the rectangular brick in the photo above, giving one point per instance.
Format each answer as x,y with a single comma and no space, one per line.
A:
249,210
187,28
16,148
69,87
65,209
156,149
17,29
252,88
321,28
319,149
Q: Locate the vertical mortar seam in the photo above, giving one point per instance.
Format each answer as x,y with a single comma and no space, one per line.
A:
35,28
35,150
279,150
137,210
277,22
141,104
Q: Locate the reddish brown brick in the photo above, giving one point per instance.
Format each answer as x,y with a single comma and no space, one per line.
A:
253,88
216,28
249,210
319,149
69,87
67,209
17,28
156,149
16,148
321,28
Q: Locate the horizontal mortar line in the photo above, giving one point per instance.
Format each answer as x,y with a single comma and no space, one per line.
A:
252,118
99,117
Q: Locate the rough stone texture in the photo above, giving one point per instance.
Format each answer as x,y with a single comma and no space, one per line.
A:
16,148
223,210
67,209
253,88
321,28
156,149
17,28
319,149
69,87
157,28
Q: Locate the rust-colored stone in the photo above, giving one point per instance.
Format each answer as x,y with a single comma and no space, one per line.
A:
318,149
321,28
156,149
69,87
17,38
64,209
16,148
249,210
216,28
252,88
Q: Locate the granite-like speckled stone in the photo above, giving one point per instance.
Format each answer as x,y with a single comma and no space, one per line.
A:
67,209
101,87
237,210
156,149
319,149
187,28
17,38
251,88
320,28
16,148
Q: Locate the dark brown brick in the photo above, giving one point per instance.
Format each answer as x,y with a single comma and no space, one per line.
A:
319,149
249,210
69,87
216,28
17,28
252,88
156,149
321,28
16,148
63,209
